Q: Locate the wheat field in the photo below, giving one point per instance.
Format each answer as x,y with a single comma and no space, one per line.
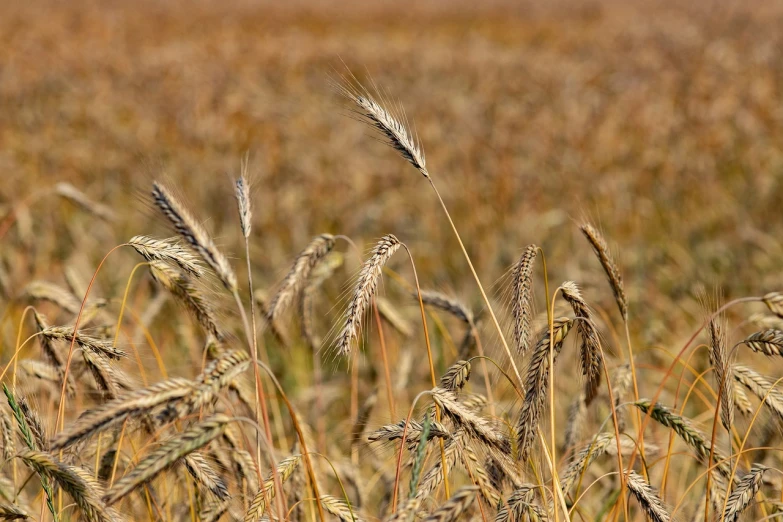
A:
391,261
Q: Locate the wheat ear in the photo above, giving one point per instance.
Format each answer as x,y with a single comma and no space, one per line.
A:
522,298
297,278
364,290
647,497
459,503
601,250
194,234
171,451
536,384
743,493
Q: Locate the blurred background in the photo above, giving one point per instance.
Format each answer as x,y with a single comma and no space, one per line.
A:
660,122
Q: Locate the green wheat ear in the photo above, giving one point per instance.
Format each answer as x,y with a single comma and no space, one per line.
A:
30,443
420,452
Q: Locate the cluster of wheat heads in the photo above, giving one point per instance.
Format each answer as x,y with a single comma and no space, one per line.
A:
228,443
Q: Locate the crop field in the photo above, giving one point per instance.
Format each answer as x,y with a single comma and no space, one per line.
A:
391,261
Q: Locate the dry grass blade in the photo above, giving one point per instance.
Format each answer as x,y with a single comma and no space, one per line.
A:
601,250
647,497
200,469
188,294
194,234
590,350
522,298
364,291
768,342
388,126
117,410
71,193
78,484
761,387
167,455
267,492
296,280
451,510
743,493
719,359
168,251
456,377
537,383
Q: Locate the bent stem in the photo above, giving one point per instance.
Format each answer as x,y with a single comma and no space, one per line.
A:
432,375
478,282
300,435
261,402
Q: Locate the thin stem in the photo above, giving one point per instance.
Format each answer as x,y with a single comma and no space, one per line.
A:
261,400
385,360
478,282
432,373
